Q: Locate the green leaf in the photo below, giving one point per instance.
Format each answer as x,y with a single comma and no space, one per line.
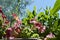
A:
56,7
35,36
41,14
0,23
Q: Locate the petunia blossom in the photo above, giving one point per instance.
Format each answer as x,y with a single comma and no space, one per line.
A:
51,35
8,32
38,25
42,29
3,16
7,21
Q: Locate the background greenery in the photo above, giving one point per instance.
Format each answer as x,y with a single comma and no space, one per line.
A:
49,18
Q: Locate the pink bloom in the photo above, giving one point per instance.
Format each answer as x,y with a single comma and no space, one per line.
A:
3,16
36,24
15,25
14,15
42,30
17,30
33,21
19,22
12,37
8,32
50,35
9,29
6,22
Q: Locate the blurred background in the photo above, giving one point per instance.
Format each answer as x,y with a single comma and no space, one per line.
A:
19,6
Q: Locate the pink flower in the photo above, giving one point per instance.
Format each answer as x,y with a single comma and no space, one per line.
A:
14,15
11,37
3,16
8,32
50,35
1,10
15,25
32,21
9,29
42,29
6,22
17,30
19,22
38,25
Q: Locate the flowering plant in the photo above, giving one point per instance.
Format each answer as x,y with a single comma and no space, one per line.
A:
43,25
4,23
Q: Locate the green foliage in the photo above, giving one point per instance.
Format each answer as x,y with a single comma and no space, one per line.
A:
56,7
0,23
35,36
30,15
2,30
28,33
49,18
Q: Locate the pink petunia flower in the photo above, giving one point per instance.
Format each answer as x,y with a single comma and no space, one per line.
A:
11,37
32,21
7,21
19,22
3,16
14,15
17,30
42,29
50,35
8,32
38,25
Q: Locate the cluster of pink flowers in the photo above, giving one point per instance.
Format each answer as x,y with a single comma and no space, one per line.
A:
18,22
5,22
1,12
12,31
38,25
15,30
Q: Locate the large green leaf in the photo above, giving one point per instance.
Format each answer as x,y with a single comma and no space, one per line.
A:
56,6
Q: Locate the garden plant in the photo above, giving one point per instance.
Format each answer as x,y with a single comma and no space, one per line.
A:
43,25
